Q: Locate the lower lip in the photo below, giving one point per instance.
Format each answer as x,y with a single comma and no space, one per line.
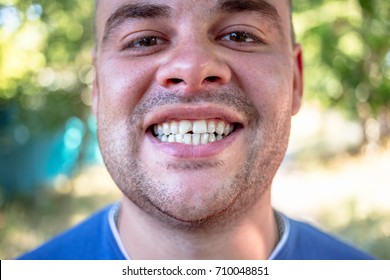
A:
179,150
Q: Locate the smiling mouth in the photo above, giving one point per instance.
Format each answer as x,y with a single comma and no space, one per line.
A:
193,132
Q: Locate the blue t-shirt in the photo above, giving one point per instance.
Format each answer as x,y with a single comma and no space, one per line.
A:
97,238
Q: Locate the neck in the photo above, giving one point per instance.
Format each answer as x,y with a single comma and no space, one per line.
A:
252,237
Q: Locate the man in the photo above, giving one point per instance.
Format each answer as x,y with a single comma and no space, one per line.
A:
194,101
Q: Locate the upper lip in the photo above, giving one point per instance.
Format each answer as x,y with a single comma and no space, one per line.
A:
168,113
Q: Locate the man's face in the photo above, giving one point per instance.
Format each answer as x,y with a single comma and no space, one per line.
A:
194,101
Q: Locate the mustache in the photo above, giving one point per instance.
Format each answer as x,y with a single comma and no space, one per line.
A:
232,98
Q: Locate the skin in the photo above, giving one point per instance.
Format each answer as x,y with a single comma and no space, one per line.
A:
197,62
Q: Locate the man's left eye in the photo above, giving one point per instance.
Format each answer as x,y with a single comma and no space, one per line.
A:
241,37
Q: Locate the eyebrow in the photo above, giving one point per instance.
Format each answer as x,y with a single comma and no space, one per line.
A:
131,11
143,10
259,6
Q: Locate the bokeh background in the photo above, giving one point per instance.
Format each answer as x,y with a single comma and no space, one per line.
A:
336,173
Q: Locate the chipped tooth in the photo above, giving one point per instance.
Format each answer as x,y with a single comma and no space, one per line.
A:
188,139
199,126
179,138
164,138
211,127
212,138
171,138
220,128
196,139
204,138
174,127
226,131
219,137
185,126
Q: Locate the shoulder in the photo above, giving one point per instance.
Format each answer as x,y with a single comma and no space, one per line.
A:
305,241
91,239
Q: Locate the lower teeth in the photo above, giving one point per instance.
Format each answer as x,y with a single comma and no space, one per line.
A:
191,139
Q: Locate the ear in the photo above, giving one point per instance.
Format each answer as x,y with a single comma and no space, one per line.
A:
298,79
95,85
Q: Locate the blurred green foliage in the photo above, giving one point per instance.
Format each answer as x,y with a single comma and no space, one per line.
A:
370,232
45,61
28,222
347,58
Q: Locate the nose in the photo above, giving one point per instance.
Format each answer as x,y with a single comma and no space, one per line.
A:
193,67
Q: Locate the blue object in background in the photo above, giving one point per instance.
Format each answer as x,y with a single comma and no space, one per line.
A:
29,162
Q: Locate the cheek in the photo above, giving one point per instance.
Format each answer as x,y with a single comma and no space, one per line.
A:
122,85
267,81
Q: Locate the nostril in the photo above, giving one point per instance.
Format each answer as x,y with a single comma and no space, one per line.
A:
212,79
175,80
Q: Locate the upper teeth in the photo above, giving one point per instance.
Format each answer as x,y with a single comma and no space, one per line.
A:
192,132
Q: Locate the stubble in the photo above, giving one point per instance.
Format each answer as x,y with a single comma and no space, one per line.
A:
120,145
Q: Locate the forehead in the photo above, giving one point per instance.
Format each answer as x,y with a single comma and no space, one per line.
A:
274,10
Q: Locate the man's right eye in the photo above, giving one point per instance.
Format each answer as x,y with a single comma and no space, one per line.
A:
143,43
